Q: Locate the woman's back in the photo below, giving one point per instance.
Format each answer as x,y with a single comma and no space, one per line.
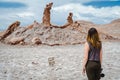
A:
94,53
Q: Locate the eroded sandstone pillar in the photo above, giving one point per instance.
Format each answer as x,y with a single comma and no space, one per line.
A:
46,15
69,18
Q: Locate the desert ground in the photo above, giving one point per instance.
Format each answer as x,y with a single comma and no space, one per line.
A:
32,62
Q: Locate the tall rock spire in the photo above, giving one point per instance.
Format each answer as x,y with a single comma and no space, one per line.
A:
46,15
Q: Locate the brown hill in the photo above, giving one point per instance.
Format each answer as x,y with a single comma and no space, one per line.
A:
86,25
112,28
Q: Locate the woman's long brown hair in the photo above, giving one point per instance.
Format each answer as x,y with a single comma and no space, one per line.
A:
93,38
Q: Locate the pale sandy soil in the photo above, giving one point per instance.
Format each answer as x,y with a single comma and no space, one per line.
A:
31,62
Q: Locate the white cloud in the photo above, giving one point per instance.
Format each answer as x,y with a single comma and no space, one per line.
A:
25,14
105,14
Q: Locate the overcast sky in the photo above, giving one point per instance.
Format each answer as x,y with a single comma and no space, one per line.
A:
26,11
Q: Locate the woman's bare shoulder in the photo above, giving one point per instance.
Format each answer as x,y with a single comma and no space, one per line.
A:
86,43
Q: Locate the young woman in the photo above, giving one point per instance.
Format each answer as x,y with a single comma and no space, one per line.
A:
92,55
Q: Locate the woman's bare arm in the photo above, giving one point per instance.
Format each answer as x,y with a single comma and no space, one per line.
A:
101,56
86,50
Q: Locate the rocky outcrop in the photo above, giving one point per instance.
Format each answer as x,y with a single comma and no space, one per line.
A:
46,15
51,61
53,36
69,18
10,29
16,40
69,21
30,26
36,40
46,35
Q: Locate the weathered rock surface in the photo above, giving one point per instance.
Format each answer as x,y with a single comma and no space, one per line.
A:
46,15
10,29
36,40
48,35
69,18
69,21
16,40
40,34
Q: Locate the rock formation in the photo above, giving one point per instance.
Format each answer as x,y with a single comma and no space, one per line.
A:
46,15
52,36
76,25
16,40
36,40
10,29
69,18
51,61
30,26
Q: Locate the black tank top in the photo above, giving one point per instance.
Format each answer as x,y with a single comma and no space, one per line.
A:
94,53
